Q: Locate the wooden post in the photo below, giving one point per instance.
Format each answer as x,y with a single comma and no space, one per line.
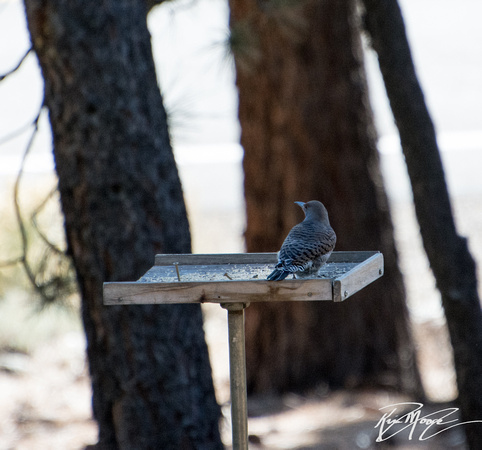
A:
237,374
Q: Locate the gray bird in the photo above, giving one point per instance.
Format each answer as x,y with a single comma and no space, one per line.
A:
307,246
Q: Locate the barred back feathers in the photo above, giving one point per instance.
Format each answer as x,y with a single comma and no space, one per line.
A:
307,246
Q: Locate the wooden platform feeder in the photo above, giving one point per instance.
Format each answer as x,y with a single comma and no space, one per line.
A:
234,281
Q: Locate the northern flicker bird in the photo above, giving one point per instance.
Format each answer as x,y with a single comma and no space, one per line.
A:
307,246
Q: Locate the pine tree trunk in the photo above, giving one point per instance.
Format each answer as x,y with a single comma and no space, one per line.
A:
308,133
122,201
451,262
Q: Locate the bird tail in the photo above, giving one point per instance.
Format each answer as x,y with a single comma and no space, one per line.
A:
278,275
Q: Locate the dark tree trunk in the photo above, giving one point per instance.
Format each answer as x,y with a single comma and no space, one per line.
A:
453,266
122,201
308,133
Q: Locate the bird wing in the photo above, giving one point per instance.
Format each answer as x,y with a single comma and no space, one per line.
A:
305,243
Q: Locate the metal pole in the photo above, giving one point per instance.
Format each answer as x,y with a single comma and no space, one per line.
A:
237,374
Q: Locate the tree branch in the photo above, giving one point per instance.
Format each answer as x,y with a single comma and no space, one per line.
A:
18,213
10,72
40,288
17,132
42,235
54,263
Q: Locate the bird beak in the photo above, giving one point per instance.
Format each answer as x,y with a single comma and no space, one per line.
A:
300,204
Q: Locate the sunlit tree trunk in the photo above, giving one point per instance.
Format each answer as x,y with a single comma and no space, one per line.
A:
122,201
308,133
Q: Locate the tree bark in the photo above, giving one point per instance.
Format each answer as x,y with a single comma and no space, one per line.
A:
308,133
122,201
453,266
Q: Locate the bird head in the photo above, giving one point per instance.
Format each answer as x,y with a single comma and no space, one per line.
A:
314,210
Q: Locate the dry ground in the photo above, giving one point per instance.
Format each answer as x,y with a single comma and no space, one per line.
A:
45,396
45,401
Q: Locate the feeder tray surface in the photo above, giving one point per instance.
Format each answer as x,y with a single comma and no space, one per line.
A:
241,277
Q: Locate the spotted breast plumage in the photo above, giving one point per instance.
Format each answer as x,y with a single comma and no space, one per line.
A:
307,246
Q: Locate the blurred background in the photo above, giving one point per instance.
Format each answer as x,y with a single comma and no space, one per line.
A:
44,388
